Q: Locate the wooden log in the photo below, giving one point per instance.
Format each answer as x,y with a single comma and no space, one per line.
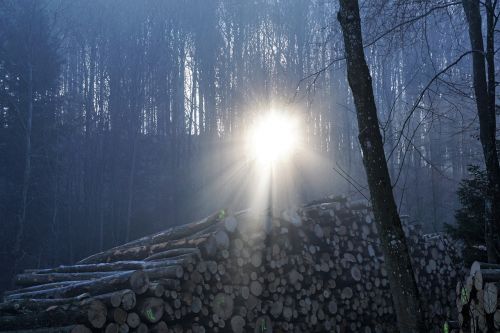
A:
490,297
212,266
133,320
17,305
198,328
93,314
332,307
117,315
223,306
477,280
318,231
256,288
155,290
355,273
221,239
297,280
277,308
165,272
142,328
96,313
160,327
205,244
111,328
37,279
150,309
174,253
477,266
137,281
256,259
114,299
38,288
114,267
128,300
65,329
78,329
496,319
196,305
488,275
263,325
237,324
169,284
160,237
123,328
230,224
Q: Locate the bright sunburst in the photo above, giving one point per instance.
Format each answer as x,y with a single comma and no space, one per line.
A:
273,138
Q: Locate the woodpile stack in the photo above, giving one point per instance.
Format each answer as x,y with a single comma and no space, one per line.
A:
315,269
478,299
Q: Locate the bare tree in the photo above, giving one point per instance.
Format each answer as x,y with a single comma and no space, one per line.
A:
483,69
401,277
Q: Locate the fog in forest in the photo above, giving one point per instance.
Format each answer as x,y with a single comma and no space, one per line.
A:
119,118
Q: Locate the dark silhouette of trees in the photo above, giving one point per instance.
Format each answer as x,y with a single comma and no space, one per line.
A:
138,109
483,70
29,67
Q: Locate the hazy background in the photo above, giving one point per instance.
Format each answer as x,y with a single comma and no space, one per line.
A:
119,118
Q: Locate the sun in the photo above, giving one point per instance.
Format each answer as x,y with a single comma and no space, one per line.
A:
273,137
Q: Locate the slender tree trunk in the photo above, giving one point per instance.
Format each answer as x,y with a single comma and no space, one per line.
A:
27,163
131,188
490,52
484,89
401,277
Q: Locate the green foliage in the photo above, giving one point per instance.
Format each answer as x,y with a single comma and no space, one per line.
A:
470,216
446,327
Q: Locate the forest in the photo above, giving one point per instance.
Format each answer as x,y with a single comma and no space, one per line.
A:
124,118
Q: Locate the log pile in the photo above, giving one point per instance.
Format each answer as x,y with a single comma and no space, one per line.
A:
478,301
315,269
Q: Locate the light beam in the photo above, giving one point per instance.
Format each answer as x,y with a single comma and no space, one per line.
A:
273,138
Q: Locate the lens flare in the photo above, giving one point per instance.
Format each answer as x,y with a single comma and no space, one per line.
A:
273,138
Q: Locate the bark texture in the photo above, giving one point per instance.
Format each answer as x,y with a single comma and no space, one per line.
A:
393,243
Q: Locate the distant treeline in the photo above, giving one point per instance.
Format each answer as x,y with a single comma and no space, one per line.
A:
117,117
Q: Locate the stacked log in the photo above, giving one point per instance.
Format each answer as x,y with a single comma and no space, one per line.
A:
103,292
315,269
477,299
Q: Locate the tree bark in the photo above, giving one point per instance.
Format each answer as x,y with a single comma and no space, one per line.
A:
485,102
393,243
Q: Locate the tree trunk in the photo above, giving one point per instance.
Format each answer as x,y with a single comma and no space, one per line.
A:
27,164
131,188
485,103
393,243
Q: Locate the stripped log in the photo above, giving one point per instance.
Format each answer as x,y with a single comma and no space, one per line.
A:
117,266
137,281
174,253
65,329
93,314
161,237
37,279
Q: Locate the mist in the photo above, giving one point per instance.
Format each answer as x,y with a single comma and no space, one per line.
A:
123,118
